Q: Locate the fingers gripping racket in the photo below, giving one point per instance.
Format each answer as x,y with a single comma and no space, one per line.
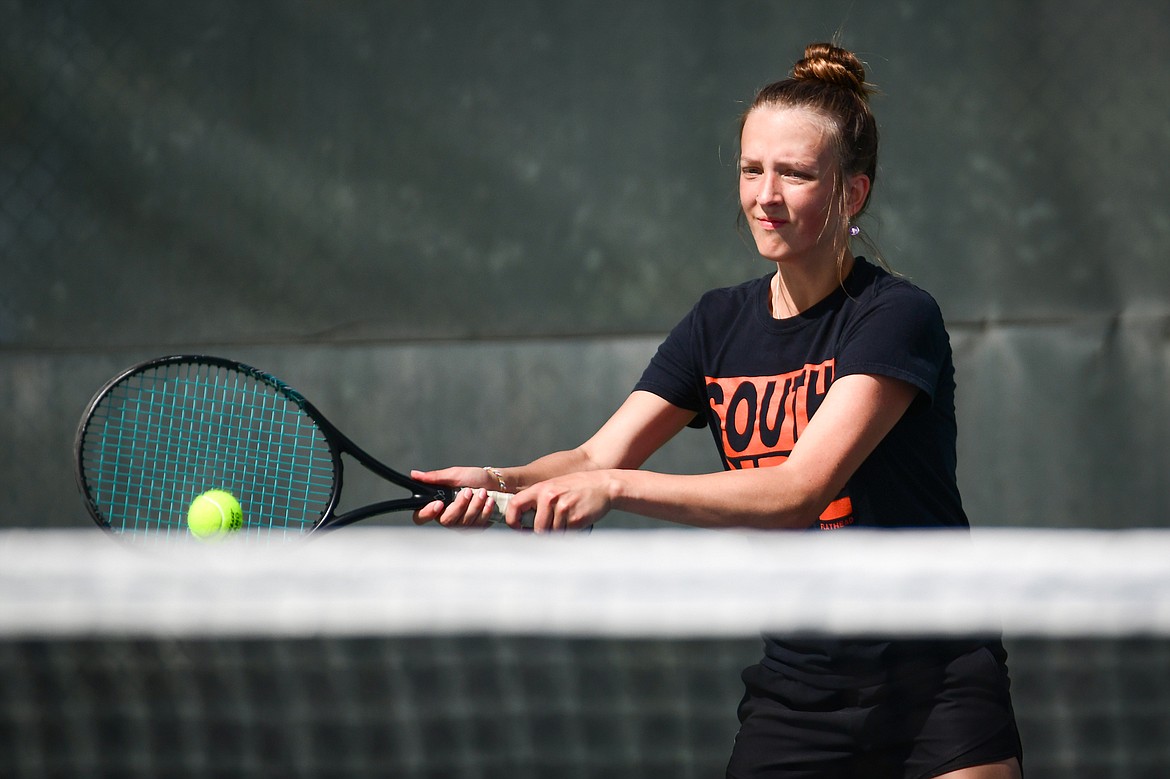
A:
169,429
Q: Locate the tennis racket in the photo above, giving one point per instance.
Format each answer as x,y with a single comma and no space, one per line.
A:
169,429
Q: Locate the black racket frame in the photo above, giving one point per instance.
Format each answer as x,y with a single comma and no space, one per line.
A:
339,444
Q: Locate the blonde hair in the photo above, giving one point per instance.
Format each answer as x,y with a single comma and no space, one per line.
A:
831,81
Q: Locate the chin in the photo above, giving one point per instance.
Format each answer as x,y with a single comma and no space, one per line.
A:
774,253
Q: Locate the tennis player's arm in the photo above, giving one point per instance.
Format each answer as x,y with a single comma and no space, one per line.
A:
856,414
642,424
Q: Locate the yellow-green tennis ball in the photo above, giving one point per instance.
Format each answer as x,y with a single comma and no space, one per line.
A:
213,514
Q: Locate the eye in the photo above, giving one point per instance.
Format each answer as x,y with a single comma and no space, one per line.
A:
750,170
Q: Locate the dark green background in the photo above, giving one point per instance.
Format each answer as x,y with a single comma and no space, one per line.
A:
462,228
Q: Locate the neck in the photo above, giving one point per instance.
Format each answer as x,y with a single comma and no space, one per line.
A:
796,289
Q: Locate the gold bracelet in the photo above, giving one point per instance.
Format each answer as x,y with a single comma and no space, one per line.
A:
499,477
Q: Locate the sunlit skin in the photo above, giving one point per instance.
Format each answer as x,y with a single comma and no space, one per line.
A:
788,169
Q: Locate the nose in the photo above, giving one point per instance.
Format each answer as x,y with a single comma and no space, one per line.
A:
769,192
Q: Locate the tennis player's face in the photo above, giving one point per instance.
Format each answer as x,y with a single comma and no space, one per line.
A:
787,172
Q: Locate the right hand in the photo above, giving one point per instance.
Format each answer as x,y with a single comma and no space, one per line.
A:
471,506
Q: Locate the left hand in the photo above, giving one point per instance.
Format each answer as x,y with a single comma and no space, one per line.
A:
571,502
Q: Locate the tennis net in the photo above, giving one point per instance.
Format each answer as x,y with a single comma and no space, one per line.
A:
425,653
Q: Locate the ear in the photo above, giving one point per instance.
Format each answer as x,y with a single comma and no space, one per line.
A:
856,192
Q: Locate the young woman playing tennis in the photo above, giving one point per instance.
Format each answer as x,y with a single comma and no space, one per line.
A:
829,389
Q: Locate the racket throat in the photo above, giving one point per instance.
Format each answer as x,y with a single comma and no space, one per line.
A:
413,503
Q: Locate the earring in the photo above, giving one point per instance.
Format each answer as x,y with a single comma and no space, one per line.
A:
854,230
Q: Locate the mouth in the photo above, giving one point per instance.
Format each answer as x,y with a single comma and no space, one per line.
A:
771,224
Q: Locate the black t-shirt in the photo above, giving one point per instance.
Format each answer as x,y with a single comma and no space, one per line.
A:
755,381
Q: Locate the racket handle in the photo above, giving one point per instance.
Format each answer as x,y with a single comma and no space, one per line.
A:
501,499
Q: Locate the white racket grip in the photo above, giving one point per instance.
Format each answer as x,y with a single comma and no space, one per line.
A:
500,500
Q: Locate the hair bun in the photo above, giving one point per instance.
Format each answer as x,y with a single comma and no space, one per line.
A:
834,65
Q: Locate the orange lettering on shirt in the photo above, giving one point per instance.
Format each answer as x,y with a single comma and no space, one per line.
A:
761,418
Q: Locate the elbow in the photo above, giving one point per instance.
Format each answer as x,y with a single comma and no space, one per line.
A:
788,518
793,509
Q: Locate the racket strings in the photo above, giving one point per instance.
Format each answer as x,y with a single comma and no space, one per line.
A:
163,435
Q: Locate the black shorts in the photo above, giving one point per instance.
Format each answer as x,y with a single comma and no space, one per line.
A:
943,717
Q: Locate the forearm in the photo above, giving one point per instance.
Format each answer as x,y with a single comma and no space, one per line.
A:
767,498
642,424
547,467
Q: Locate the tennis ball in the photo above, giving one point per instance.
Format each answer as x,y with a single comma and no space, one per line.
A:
213,514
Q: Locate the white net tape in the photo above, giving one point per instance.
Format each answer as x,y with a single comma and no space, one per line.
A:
650,583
